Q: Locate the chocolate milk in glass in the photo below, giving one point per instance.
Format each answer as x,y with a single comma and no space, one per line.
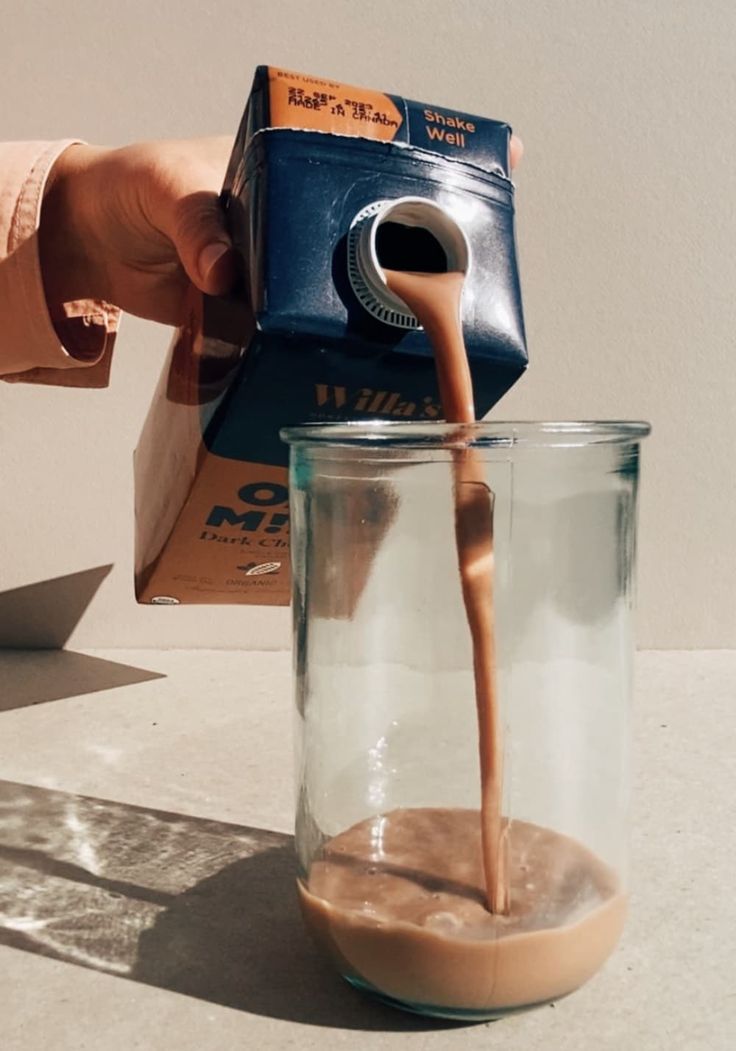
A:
501,914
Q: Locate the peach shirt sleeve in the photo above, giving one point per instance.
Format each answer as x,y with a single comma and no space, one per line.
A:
66,344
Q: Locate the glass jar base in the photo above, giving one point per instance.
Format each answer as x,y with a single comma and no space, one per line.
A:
451,1014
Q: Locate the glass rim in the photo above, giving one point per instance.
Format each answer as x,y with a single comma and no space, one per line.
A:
483,433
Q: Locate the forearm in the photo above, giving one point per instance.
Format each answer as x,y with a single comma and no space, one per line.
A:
45,331
133,226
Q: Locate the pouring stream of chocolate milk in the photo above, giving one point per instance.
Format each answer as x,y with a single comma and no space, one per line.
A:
435,300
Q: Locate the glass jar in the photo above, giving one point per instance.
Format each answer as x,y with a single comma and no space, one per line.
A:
388,825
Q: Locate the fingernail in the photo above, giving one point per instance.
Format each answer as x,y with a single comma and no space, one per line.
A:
210,255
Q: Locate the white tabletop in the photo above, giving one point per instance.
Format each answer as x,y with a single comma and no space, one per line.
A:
146,876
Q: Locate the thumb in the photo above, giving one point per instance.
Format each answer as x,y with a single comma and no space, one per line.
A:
203,243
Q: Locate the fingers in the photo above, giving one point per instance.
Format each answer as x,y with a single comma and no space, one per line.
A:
183,180
516,150
203,244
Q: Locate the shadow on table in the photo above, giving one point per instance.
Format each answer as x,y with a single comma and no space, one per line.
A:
198,907
36,621
43,615
29,677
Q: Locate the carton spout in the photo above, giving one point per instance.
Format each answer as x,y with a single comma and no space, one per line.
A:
408,233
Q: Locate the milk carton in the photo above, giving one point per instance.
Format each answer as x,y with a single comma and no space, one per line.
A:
327,185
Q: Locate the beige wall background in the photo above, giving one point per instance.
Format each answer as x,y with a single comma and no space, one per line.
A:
627,222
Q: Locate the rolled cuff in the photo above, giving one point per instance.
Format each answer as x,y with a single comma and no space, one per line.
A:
31,349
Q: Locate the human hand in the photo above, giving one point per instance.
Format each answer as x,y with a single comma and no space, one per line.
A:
134,226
